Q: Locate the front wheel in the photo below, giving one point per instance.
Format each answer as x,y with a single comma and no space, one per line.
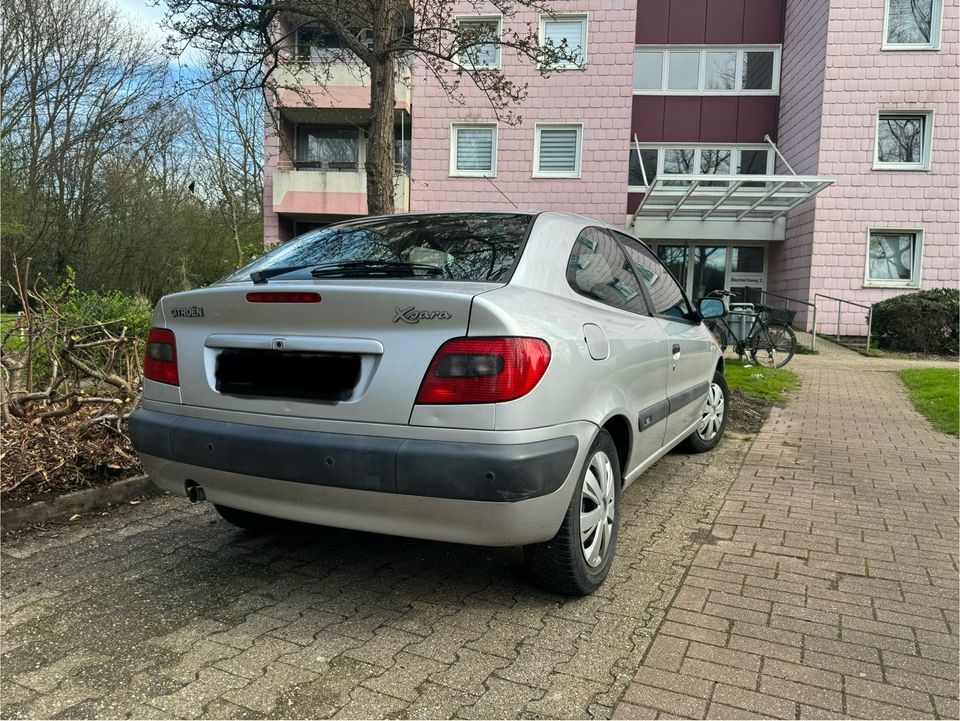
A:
774,346
713,417
577,560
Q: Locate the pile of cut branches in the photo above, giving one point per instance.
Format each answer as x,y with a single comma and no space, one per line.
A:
71,375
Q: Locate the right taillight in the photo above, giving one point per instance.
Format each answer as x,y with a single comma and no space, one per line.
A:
484,370
160,358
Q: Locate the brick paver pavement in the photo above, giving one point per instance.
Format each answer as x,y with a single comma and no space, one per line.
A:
834,589
161,610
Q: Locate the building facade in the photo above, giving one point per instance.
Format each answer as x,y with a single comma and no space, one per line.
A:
798,147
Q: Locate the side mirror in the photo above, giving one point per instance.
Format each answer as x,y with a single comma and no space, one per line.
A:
711,308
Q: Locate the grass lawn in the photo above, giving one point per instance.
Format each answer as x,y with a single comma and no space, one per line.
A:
756,381
936,394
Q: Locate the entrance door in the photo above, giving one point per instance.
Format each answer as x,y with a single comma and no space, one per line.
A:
709,269
702,268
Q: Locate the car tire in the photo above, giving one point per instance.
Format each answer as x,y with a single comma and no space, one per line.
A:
246,519
566,564
713,419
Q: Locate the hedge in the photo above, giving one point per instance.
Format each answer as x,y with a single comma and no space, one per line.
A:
927,321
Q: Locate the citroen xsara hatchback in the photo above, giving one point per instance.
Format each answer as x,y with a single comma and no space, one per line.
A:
492,378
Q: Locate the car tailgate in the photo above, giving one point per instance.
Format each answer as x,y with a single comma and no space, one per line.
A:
357,354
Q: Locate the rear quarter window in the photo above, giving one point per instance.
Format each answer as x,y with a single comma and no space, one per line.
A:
597,268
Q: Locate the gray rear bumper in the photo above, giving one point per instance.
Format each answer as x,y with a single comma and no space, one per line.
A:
504,473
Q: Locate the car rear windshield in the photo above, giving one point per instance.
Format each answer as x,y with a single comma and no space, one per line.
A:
464,246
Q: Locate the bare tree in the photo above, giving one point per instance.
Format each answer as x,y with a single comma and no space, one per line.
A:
227,126
249,43
77,83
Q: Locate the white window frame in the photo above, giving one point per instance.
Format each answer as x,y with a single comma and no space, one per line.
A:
936,25
697,148
701,80
454,172
584,17
926,155
536,149
498,19
914,282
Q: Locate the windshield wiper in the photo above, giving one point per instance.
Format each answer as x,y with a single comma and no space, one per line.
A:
369,268
261,276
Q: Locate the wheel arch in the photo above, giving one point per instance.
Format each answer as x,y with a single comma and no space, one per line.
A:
618,426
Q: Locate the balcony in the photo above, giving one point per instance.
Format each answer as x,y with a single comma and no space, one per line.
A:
336,86
330,191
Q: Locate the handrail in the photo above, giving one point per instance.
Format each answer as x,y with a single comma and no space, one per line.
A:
840,303
787,299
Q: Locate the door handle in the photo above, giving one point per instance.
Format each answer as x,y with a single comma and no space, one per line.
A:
676,350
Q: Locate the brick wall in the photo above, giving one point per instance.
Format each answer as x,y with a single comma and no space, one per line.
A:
599,97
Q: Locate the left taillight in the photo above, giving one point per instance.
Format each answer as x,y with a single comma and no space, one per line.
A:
160,358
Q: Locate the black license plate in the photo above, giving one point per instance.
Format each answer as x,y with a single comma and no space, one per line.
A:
287,374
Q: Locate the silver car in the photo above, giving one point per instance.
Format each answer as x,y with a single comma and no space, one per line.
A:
492,378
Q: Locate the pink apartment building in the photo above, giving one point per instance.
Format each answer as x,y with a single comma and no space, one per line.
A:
802,148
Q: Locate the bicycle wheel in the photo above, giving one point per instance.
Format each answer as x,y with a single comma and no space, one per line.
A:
773,346
719,333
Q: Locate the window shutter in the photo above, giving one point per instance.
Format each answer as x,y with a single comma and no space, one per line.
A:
475,149
558,150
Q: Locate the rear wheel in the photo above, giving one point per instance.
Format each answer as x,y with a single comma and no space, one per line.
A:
773,347
248,520
577,560
713,418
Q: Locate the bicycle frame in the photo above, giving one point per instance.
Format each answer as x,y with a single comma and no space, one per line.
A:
741,344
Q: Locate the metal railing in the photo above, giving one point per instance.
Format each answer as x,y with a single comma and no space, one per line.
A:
840,303
786,301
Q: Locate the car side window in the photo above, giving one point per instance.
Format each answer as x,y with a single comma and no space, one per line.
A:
667,296
598,269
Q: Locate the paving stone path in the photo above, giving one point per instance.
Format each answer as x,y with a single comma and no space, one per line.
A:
161,610
810,571
834,592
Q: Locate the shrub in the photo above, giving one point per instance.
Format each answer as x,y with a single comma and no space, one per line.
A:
927,321
112,309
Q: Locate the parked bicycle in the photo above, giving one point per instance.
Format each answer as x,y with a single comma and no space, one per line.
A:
771,341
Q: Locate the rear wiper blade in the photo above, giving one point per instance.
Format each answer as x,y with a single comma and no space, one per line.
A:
261,276
366,268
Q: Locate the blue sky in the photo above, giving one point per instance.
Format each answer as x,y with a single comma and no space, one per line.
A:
144,12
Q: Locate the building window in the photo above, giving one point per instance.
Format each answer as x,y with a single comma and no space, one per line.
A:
714,70
473,150
903,140
480,54
697,160
327,147
912,24
566,32
893,258
556,152
649,158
